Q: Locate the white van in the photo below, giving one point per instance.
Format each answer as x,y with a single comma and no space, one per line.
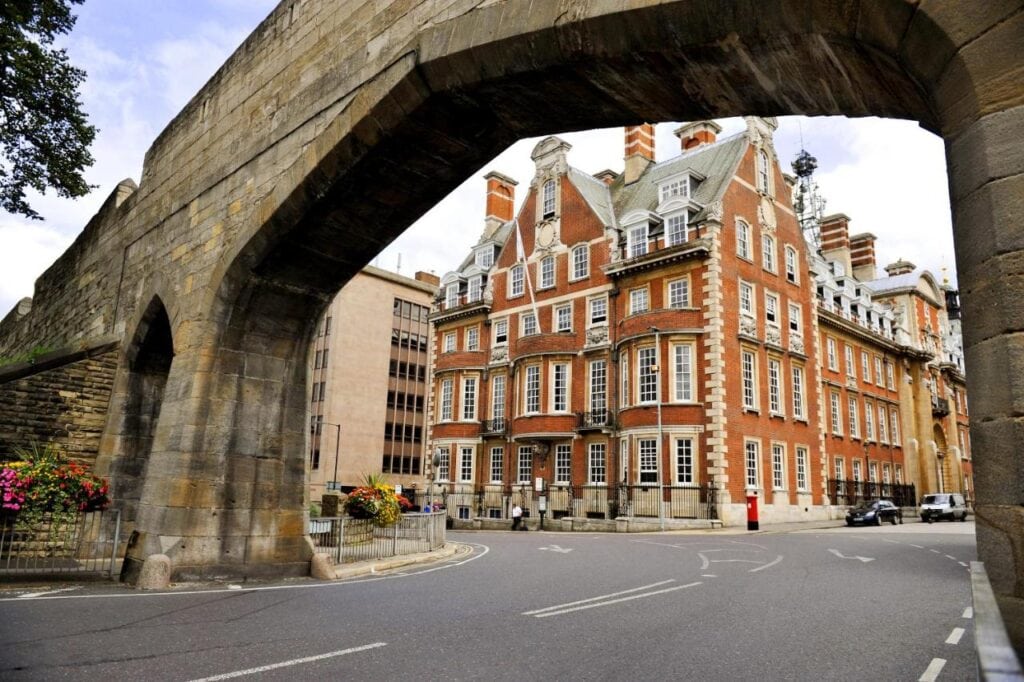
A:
949,506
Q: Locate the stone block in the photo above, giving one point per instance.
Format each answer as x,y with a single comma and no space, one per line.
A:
998,471
156,573
986,151
989,222
993,297
995,368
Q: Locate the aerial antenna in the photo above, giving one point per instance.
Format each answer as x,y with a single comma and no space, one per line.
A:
809,204
398,266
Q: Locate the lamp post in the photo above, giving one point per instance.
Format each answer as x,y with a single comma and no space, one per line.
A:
657,374
337,443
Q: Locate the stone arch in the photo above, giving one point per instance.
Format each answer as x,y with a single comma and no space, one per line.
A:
377,148
147,362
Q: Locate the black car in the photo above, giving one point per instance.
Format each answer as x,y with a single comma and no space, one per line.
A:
874,512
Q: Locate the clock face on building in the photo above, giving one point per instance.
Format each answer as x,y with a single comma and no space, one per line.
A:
546,235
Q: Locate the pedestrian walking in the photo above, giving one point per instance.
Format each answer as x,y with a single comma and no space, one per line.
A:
517,516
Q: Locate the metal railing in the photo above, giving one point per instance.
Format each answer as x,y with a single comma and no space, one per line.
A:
851,492
678,501
498,425
593,420
84,543
345,539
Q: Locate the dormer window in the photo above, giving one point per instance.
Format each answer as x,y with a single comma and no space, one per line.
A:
677,229
676,187
485,257
475,289
451,295
636,241
548,206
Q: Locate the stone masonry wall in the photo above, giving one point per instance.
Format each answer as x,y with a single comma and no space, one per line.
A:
66,403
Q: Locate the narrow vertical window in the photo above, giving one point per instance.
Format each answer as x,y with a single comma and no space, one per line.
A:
647,379
560,387
597,466
742,239
563,318
677,229
497,464
525,464
472,338
869,421
547,272
444,464
563,463
684,462
636,241
896,440
883,429
532,404
837,422
515,276
774,386
637,300
469,398
647,449
548,209
466,465
798,392
768,253
778,470
598,388
682,371
500,332
853,417
746,298
747,372
498,397
752,455
679,293
801,468
791,265
581,261
446,400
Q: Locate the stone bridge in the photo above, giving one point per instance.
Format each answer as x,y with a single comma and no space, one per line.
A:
339,122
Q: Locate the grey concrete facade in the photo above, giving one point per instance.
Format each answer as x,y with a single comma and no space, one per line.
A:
336,124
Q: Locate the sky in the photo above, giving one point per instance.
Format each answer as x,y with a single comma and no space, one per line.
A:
145,60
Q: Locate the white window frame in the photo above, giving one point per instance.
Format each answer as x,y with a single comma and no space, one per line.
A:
498,392
598,383
597,307
869,420
678,293
795,318
839,471
560,382
475,289
802,457
580,263
748,377
524,464
469,386
851,367
516,280
799,404
639,297
597,464
853,415
774,386
497,464
546,277
857,473
778,466
832,354
752,464
743,249
792,265
647,460
444,463
563,464
894,420
683,356
449,343
772,313
451,296
531,389
446,400
764,182
548,203
647,375
466,464
685,461
563,317
836,413
637,238
678,186
865,367
529,322
472,338
879,377
677,228
768,260
890,381
500,329
484,258
624,378
746,294
883,423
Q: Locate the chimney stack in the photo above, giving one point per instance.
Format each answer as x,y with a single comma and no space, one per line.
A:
428,278
835,240
900,267
862,256
639,151
695,134
501,199
606,176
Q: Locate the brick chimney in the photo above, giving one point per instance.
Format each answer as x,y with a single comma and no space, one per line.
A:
428,278
606,176
835,239
693,135
639,151
862,256
501,200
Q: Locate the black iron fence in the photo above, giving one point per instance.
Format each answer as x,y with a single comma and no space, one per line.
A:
851,492
345,539
593,420
82,543
578,501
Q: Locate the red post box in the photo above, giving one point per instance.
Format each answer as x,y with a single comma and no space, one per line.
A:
752,523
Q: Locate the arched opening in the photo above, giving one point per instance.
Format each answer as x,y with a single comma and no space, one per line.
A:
148,360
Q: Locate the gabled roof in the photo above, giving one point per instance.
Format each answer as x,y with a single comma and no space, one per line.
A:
717,162
595,192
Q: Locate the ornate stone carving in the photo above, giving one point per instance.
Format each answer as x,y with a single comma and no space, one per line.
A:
499,354
597,336
748,327
773,336
715,211
796,343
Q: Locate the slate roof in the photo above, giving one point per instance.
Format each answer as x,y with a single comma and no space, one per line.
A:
716,162
596,193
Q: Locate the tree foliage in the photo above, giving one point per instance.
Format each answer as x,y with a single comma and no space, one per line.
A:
44,134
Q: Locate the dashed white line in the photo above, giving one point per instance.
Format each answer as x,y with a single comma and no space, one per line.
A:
934,551
569,608
951,557
962,564
969,612
294,661
603,596
917,546
931,673
954,637
708,575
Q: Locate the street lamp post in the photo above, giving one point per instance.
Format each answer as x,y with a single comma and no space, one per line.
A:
337,443
657,374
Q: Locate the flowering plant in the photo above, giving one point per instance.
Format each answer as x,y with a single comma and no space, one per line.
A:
42,480
376,500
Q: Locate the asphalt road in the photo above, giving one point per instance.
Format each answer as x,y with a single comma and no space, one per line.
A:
889,603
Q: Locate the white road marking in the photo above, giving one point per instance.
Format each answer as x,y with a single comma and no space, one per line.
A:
934,551
557,548
931,673
708,575
36,595
294,661
769,565
969,612
913,545
269,588
608,602
962,564
603,596
954,637
951,557
863,559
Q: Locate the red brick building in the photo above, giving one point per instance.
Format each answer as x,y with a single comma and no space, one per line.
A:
654,336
